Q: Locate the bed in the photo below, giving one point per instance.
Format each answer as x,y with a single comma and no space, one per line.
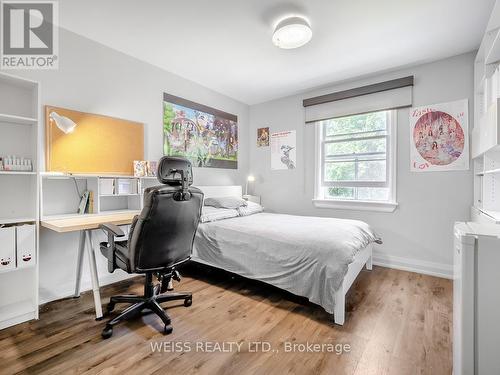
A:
317,258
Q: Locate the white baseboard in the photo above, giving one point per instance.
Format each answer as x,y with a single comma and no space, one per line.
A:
414,265
67,290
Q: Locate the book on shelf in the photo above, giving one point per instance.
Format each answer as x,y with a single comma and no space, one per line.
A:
90,204
83,202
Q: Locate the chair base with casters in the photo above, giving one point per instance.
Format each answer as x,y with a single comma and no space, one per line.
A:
151,301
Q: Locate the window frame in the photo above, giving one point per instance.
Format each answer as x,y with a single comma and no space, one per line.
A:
356,204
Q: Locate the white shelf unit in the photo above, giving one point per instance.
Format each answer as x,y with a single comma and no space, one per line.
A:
13,173
21,120
71,186
485,144
19,199
17,220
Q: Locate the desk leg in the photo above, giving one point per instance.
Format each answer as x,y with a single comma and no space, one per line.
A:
79,263
93,275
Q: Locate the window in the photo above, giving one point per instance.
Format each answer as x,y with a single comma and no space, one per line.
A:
355,161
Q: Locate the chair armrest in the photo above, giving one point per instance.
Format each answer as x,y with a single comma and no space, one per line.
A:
112,229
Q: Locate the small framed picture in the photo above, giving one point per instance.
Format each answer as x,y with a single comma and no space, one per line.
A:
263,137
140,168
152,167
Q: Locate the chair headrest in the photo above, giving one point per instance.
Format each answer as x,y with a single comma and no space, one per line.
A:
175,171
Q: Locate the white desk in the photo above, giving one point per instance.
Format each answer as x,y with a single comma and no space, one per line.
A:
85,224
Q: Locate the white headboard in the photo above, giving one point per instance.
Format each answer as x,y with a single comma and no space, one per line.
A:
222,191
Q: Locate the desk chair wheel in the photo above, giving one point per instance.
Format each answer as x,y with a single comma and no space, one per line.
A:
188,301
107,332
168,330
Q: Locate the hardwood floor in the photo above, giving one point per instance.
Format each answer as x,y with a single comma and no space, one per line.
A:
397,323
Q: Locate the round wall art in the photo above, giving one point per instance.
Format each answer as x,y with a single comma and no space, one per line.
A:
439,137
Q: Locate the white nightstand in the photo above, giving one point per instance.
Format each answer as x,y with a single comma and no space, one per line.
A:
252,198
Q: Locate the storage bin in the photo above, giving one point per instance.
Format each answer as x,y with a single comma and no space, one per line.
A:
25,245
7,248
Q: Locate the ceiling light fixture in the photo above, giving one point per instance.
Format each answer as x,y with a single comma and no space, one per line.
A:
292,32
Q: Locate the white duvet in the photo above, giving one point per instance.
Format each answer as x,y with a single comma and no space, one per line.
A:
307,256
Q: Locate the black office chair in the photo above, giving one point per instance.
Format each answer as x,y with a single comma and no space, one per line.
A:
160,239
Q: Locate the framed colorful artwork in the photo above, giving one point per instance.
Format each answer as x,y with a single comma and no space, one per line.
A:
439,137
206,136
262,137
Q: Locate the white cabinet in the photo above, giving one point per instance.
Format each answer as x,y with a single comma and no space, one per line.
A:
476,301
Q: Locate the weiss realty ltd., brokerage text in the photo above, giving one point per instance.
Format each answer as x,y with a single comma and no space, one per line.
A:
248,347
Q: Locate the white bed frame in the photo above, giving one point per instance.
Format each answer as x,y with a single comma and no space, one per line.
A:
363,257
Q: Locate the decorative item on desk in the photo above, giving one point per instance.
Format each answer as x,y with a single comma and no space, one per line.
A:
152,167
145,168
140,168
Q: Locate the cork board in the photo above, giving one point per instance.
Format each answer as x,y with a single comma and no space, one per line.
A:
99,144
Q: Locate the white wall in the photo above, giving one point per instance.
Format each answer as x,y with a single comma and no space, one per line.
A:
94,78
418,235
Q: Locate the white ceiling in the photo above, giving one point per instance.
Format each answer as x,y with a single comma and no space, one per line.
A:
226,44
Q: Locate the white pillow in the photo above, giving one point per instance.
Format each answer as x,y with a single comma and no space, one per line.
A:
250,209
213,214
225,202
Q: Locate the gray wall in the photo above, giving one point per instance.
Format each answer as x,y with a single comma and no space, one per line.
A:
418,235
94,78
